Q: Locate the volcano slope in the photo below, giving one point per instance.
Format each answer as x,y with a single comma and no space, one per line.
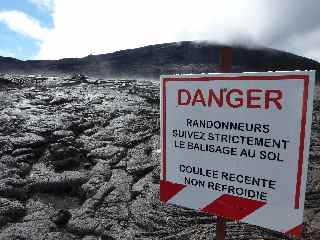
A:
79,159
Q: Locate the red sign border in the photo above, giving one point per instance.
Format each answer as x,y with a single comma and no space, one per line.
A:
304,78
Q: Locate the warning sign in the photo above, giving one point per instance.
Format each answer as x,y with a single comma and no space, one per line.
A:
237,145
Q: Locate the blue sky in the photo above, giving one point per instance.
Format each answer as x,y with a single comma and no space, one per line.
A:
55,29
19,45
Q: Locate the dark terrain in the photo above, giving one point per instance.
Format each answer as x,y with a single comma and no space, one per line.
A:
170,58
79,159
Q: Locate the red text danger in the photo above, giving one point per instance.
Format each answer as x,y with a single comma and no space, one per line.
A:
234,98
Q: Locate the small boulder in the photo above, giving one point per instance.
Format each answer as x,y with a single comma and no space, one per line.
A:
61,217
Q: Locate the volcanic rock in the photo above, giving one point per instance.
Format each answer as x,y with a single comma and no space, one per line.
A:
111,153
61,217
80,159
27,140
10,210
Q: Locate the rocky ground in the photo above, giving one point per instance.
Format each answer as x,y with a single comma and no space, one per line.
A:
79,159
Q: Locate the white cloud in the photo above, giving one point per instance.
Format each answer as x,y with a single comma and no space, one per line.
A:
24,24
95,26
43,4
305,44
83,27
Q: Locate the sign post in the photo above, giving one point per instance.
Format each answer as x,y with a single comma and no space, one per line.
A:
225,62
220,228
236,145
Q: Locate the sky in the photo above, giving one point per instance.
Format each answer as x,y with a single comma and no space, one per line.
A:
55,29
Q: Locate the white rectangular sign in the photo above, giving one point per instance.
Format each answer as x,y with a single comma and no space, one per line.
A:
237,145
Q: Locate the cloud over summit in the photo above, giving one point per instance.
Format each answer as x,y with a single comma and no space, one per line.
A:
88,27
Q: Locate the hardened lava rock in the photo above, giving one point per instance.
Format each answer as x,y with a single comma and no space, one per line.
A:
80,159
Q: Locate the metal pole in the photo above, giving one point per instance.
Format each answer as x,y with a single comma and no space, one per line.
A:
225,59
220,228
225,62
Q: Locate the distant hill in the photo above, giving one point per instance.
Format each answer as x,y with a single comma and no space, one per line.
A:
152,61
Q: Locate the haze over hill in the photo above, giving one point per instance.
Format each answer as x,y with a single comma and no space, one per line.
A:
151,61
80,156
